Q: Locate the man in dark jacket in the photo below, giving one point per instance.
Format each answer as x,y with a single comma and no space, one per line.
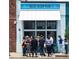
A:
41,45
34,45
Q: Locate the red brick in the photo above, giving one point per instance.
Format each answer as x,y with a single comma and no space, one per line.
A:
12,26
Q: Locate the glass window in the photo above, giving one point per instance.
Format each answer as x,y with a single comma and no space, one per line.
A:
41,24
29,24
51,24
29,33
39,33
51,33
23,0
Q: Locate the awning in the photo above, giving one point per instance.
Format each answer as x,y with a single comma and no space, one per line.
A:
39,15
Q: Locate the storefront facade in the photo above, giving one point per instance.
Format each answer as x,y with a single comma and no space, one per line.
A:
44,25
36,18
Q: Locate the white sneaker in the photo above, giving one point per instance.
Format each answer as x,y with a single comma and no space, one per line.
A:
39,56
53,56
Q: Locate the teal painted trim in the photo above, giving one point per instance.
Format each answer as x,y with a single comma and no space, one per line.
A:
67,19
44,1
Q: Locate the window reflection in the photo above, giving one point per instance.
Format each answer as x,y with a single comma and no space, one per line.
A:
29,24
41,24
51,24
29,33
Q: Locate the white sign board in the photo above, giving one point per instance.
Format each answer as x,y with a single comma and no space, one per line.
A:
39,15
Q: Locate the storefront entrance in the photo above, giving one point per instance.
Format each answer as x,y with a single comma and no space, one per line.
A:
37,28
40,19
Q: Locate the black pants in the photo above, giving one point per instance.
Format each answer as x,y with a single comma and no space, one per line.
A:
34,50
42,51
24,51
52,48
49,49
66,48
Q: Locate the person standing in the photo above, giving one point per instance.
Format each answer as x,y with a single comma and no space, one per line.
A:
31,38
48,46
28,46
51,38
41,45
66,46
24,46
34,45
60,44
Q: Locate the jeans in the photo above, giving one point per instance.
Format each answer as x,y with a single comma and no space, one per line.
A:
42,51
61,48
24,51
34,50
28,49
48,49
66,48
52,48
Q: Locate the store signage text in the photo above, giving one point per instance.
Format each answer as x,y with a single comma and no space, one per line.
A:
37,6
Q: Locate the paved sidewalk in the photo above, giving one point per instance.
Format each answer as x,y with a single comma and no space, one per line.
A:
55,56
13,54
38,58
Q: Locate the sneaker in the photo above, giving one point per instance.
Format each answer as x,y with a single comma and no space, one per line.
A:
40,56
36,56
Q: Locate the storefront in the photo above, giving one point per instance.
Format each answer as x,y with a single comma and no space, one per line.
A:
36,18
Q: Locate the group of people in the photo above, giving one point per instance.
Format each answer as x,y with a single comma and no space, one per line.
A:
31,44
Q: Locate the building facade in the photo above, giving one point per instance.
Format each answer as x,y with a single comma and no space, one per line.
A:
36,18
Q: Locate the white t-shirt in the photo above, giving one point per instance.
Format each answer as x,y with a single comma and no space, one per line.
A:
48,42
51,40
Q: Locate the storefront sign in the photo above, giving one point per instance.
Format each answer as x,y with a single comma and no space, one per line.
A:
40,6
40,11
